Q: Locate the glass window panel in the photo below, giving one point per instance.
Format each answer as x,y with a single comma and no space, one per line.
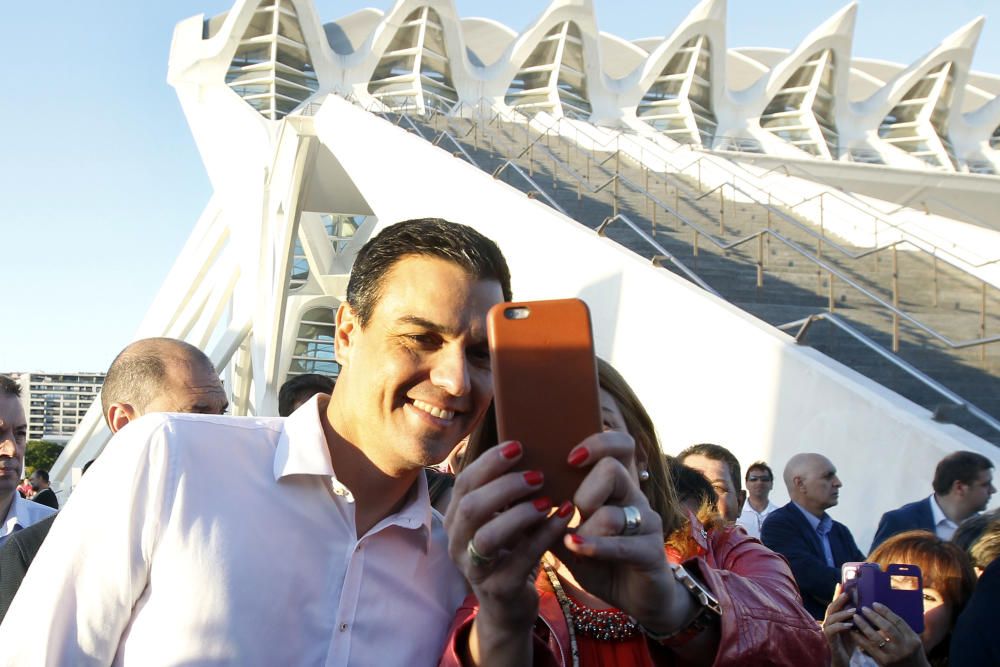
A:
261,24
393,66
252,54
289,27
405,38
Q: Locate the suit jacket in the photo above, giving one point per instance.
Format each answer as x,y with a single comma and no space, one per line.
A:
787,532
976,638
16,555
47,497
912,516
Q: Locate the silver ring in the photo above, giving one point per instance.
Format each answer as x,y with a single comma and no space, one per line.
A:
882,643
477,558
633,520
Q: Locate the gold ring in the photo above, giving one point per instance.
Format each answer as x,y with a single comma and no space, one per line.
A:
477,558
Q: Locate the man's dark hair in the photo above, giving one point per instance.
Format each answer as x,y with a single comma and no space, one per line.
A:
716,453
959,467
301,388
429,237
42,475
691,485
760,465
9,387
139,372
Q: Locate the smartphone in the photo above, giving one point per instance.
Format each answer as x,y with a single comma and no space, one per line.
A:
545,385
900,588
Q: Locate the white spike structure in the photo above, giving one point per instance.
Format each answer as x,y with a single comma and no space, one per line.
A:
303,176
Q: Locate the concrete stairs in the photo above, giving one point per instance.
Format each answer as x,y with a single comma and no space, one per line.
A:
793,285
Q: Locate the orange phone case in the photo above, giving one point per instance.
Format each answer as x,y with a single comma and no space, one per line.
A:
545,385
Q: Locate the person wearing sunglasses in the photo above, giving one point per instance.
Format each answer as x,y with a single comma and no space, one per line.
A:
759,481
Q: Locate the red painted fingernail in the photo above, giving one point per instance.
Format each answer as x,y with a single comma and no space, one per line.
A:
542,504
511,450
578,456
565,510
534,478
576,539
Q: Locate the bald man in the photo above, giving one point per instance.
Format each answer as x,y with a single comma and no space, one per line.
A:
801,531
149,375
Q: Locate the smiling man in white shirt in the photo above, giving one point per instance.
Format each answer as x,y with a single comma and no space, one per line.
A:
320,546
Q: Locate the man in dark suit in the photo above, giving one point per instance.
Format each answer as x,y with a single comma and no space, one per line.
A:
801,531
43,493
963,484
149,375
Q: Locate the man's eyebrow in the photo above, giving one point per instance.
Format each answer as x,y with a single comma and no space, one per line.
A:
426,324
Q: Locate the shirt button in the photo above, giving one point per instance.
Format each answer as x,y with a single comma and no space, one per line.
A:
343,627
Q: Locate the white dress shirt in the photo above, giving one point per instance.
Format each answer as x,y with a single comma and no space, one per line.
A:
22,513
752,520
208,540
943,526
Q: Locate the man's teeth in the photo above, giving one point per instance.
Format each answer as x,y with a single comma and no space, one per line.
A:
434,411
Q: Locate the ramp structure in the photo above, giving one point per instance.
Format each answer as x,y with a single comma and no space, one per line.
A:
670,153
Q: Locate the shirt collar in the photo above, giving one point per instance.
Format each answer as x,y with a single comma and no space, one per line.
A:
813,520
747,507
16,518
939,515
302,450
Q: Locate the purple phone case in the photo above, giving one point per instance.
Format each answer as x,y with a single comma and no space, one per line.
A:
874,585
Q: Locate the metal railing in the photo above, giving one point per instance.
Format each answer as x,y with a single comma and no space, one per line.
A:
664,255
832,272
804,325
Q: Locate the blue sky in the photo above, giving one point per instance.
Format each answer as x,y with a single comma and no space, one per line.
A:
101,183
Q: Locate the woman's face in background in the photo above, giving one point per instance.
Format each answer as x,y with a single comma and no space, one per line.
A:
937,619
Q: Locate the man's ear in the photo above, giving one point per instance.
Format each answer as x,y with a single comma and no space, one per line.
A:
346,322
741,498
120,414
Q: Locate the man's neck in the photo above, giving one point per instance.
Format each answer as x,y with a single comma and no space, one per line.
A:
758,505
816,512
377,493
950,508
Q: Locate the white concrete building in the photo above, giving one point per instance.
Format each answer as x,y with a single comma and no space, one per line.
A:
303,175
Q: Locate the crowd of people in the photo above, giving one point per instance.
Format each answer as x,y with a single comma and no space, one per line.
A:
334,534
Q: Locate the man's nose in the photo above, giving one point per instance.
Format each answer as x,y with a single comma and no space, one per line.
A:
7,445
451,371
837,483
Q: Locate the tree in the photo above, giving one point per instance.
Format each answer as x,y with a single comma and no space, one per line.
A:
40,454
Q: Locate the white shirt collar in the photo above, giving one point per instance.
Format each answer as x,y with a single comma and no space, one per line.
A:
939,515
22,513
302,450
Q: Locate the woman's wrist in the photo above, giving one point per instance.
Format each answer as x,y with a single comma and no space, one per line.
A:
501,642
691,609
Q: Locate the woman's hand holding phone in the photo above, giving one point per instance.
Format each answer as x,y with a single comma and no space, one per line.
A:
497,538
878,631
627,571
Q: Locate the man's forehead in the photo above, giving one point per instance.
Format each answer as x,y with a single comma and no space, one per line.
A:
11,411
